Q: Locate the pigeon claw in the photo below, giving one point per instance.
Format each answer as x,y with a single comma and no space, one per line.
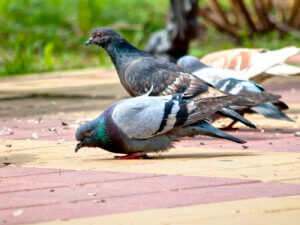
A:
137,155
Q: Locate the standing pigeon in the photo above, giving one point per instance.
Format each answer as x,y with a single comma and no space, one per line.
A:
144,124
256,64
139,70
233,83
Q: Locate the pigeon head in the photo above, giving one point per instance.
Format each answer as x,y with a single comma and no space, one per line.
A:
190,63
102,36
91,134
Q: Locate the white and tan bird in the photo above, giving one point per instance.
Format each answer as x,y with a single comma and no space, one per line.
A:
255,64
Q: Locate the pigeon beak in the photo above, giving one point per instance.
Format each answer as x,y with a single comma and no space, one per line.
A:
78,146
90,41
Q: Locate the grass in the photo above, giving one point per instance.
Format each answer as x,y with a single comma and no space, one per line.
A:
37,36
48,35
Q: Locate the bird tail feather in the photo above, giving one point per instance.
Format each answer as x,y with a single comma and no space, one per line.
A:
236,116
250,98
204,128
268,110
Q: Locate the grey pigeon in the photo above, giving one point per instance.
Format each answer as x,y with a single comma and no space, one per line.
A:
139,70
144,124
233,82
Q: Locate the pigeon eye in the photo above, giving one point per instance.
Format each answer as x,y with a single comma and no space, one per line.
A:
86,134
99,35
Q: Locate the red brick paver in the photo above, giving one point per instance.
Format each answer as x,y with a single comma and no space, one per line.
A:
56,194
30,195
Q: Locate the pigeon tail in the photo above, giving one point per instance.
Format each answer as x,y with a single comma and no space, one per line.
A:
281,105
250,98
205,128
236,116
268,110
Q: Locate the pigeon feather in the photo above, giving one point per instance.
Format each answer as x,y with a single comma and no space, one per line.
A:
229,81
139,70
148,123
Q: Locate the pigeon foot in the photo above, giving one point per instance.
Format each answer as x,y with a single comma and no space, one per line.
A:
230,127
137,155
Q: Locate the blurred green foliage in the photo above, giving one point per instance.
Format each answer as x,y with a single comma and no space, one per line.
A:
47,35
44,35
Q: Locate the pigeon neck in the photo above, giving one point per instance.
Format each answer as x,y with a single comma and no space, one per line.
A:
107,135
122,53
102,135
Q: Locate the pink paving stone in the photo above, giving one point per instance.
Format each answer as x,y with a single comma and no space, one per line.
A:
7,171
9,202
76,177
13,186
290,91
49,129
166,199
114,189
57,178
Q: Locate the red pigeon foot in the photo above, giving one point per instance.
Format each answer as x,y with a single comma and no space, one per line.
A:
136,155
230,127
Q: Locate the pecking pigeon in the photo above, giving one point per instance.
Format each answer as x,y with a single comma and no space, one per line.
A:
233,83
139,70
256,64
146,123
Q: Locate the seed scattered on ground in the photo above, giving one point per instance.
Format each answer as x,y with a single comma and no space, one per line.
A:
8,145
64,123
245,146
297,134
35,136
18,212
52,129
99,201
92,194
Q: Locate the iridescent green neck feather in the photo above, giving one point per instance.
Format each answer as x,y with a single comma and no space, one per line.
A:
102,133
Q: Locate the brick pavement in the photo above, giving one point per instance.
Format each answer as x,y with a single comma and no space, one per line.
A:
201,180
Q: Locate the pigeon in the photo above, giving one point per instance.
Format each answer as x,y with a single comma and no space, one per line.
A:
146,123
139,71
256,64
232,82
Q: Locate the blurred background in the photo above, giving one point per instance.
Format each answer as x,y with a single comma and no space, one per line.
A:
48,35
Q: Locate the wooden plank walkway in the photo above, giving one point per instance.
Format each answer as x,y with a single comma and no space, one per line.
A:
202,180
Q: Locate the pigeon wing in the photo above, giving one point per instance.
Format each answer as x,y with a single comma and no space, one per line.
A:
145,117
166,79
